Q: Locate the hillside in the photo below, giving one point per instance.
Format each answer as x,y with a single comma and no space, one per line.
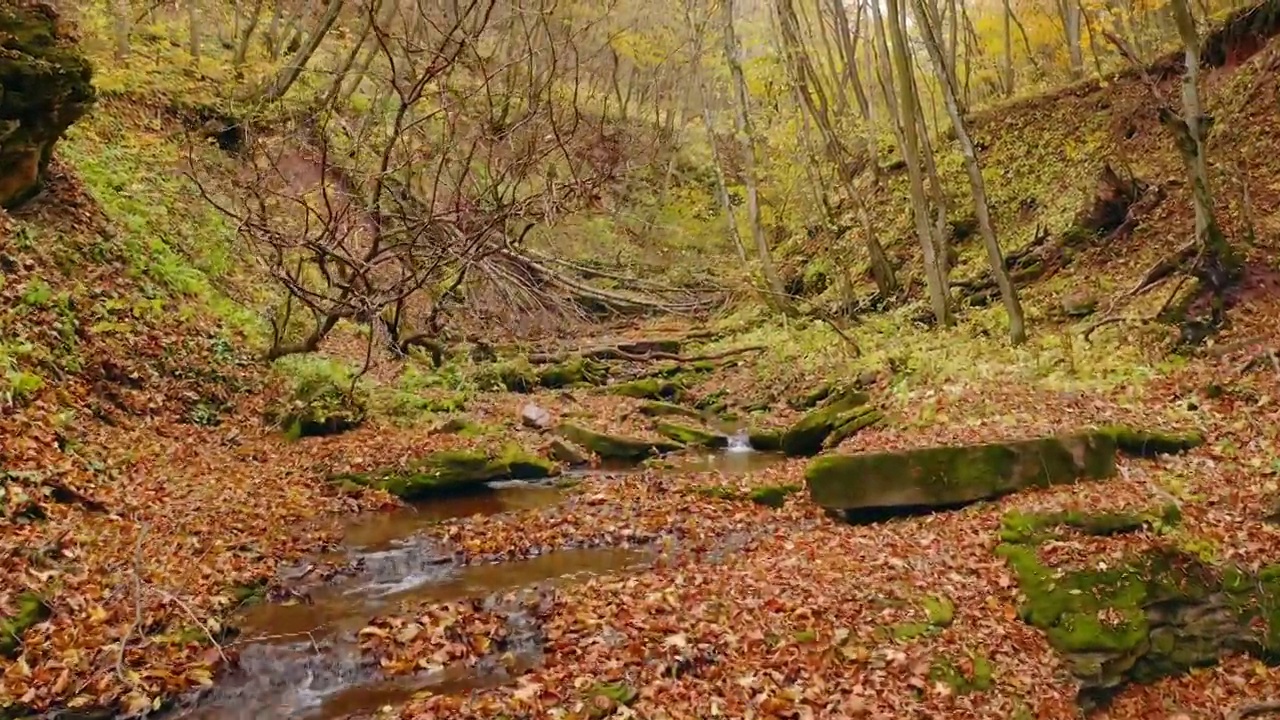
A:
507,493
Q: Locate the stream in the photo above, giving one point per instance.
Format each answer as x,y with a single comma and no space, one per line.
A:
300,659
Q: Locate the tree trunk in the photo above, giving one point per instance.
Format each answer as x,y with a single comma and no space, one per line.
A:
1219,265
1007,64
1071,22
995,257
289,75
243,40
123,23
939,296
746,136
340,72
193,30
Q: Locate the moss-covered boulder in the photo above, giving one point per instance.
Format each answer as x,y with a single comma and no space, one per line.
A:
450,471
30,609
1033,528
687,435
807,435
1157,615
574,371
953,475
774,496
650,388
765,440
317,406
657,408
1150,443
45,86
615,447
810,398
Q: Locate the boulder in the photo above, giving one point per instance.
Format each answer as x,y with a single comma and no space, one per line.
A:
451,471
1150,443
45,86
954,475
808,434
532,416
765,440
567,453
686,435
614,447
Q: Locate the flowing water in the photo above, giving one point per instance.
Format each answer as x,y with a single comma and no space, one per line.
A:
300,659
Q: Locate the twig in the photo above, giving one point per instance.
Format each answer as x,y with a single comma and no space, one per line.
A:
1252,709
137,605
282,636
187,609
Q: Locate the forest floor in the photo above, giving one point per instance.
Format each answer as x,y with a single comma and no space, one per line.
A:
148,509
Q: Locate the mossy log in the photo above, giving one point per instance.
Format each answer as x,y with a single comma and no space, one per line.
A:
1150,443
450,471
650,388
657,408
686,435
614,447
949,476
1158,615
807,435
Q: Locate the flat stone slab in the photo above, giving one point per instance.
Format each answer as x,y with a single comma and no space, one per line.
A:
953,475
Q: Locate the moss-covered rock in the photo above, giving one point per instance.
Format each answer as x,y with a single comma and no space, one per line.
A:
765,440
45,86
650,388
657,408
686,435
515,375
614,447
807,435
852,422
574,371
567,453
810,398
319,406
948,476
449,471
774,496
31,609
1150,443
1034,528
1160,614
978,677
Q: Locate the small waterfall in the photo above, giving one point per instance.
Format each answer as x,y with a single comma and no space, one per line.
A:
739,442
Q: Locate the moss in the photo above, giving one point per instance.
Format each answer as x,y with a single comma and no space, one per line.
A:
907,631
686,435
31,609
774,496
650,388
952,475
1150,443
452,470
657,408
1033,528
806,436
717,492
247,594
853,421
765,440
575,371
979,678
809,399
939,610
514,375
613,447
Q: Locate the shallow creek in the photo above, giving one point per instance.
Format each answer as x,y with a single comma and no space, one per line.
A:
301,660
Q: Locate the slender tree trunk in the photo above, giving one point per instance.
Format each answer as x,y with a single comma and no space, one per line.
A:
1007,65
193,30
995,257
340,72
746,136
244,38
292,71
273,32
1071,22
1219,266
939,294
124,23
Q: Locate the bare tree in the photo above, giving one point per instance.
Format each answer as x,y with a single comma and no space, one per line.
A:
291,71
995,257
746,137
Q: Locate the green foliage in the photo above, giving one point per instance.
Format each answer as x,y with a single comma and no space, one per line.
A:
321,397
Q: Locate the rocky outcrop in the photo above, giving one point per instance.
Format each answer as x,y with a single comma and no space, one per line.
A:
615,447
949,476
1160,614
44,88
841,415
450,471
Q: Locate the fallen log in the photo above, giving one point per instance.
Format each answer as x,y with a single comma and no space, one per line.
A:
617,352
